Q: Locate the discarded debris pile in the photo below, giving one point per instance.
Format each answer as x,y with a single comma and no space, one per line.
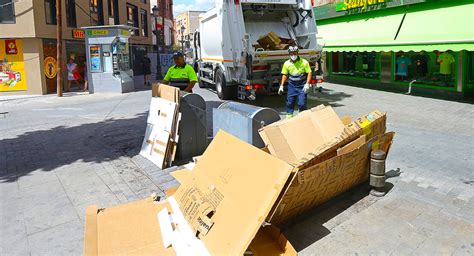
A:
200,217
308,160
272,41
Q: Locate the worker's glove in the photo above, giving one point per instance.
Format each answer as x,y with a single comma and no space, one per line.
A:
306,88
280,90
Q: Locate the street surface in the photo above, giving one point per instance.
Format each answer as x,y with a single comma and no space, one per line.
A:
59,155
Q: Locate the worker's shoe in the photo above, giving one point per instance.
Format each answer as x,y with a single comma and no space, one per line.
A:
289,115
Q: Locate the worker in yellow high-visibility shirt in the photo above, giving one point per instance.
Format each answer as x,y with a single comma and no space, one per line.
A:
297,72
181,75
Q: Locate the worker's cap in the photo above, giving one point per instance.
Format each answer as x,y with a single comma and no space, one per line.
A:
292,49
177,55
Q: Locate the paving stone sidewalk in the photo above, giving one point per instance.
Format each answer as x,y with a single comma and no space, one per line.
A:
59,155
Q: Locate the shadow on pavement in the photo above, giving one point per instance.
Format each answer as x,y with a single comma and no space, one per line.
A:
314,225
46,150
277,102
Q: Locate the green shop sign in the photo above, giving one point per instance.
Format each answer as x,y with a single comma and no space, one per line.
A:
360,5
348,7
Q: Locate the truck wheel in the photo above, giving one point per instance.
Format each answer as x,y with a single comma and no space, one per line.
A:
224,91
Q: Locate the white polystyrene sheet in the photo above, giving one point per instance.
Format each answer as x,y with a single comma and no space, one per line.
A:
162,114
184,241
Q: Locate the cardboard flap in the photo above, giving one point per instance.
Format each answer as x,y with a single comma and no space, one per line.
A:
131,228
294,138
166,92
269,241
181,175
91,246
353,145
226,199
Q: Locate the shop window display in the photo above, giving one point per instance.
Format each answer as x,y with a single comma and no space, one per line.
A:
429,68
355,64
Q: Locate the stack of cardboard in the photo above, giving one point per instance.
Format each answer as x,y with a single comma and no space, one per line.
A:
329,155
272,41
222,204
161,136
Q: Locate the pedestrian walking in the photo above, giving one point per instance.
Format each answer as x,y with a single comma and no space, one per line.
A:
146,67
86,81
72,74
297,72
181,75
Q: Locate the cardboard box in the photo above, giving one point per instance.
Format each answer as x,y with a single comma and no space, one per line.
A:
218,209
269,41
166,92
310,142
317,184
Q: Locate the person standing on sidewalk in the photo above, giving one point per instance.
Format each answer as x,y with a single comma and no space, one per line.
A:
146,65
297,72
181,75
72,74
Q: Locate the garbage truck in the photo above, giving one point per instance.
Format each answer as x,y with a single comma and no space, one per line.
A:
241,45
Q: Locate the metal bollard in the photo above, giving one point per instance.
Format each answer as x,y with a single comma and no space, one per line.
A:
377,172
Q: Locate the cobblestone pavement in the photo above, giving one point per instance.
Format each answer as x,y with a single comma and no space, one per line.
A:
59,155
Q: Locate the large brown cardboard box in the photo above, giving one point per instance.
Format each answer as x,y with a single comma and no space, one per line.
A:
310,142
223,200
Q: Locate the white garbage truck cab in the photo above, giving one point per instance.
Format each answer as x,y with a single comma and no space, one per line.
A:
241,45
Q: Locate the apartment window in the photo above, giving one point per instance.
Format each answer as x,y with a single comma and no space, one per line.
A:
144,23
71,13
113,10
7,11
96,10
132,17
50,11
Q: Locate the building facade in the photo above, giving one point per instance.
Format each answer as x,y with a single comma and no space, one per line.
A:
163,23
185,24
28,38
423,43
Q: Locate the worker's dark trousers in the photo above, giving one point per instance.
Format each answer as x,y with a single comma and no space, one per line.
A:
295,92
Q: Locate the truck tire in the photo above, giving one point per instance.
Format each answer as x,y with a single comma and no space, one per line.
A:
224,91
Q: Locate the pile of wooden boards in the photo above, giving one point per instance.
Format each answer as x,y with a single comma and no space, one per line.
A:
161,136
272,41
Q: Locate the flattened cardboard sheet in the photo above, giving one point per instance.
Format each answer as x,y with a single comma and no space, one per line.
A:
226,199
126,229
294,138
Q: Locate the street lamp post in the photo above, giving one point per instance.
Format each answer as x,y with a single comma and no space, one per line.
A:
158,50
182,38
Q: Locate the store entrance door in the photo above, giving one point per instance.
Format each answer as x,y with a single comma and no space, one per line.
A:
76,50
468,86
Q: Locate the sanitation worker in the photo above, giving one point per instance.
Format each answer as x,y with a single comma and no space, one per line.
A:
297,72
181,75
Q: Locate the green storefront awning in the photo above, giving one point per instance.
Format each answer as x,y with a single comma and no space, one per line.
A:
442,29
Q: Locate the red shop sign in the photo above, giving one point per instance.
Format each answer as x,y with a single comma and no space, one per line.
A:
10,47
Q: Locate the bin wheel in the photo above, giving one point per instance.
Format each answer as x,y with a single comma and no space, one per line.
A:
224,91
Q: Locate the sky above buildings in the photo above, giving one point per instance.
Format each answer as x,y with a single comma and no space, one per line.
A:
180,6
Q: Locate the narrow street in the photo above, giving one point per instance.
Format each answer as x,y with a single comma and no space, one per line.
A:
59,155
